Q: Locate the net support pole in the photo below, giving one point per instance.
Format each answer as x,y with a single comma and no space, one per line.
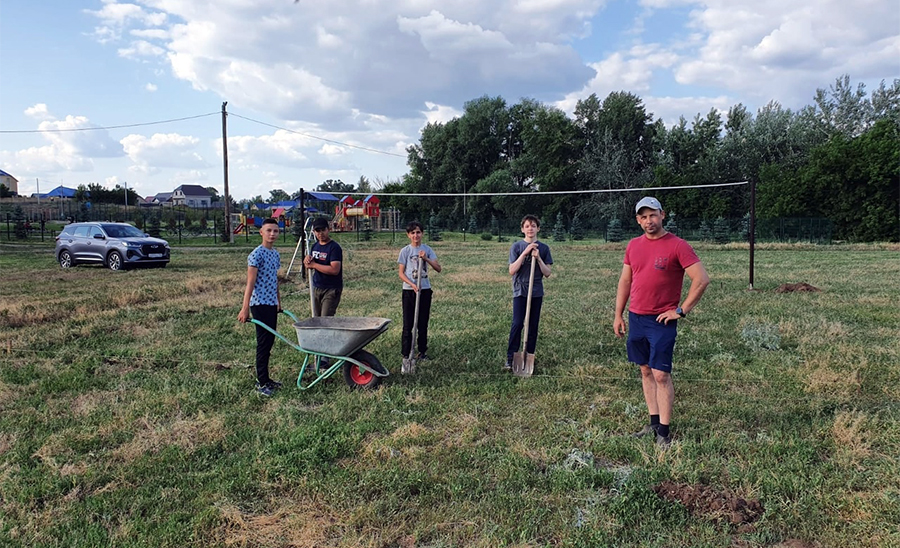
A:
752,227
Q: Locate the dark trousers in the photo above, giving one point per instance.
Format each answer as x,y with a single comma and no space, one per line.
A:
327,301
518,323
267,314
409,311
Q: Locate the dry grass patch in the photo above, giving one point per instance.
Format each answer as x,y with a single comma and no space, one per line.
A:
476,275
184,433
297,523
6,442
852,432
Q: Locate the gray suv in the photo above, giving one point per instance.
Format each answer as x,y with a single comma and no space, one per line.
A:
115,245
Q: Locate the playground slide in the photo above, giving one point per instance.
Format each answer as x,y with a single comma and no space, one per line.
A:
239,229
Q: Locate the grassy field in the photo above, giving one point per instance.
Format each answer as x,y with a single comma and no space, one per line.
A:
128,416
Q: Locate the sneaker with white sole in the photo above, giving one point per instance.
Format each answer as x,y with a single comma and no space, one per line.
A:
663,442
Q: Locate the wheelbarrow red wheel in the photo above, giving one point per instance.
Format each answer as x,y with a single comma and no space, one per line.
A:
360,378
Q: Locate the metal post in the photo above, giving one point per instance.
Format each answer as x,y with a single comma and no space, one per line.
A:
225,170
752,227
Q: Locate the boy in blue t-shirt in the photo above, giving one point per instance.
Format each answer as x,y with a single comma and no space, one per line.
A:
325,260
407,267
520,256
263,300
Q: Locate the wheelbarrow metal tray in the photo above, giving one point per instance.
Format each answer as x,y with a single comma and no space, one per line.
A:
338,335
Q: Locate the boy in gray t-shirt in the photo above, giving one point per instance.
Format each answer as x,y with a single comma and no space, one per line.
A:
407,267
520,256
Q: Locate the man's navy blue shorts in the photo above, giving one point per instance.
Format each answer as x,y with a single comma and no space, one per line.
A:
651,342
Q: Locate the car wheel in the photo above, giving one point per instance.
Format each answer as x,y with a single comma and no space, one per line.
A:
114,261
65,259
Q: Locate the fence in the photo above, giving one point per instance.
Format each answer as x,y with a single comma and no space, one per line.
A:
39,221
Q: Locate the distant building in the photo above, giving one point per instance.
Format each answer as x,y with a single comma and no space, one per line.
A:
9,181
163,198
191,196
58,192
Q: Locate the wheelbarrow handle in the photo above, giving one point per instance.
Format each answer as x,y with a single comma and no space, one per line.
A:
276,333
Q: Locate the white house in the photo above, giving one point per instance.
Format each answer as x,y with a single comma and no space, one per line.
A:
191,196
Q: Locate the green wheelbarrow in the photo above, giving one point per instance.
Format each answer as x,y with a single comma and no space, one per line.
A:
341,341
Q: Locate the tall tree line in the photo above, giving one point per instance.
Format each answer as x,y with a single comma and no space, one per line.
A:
837,158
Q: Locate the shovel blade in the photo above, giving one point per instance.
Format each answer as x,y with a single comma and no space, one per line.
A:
518,364
408,367
529,365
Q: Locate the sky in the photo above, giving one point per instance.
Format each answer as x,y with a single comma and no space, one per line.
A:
336,89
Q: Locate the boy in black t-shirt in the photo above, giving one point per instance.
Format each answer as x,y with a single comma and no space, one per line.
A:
325,260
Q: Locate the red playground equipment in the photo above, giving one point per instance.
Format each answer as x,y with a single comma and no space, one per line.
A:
348,213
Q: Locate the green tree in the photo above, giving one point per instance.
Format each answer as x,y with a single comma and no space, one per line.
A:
721,231
336,186
614,231
575,229
559,229
4,191
278,195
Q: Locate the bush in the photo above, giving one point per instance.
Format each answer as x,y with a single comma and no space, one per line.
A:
575,230
559,230
721,231
487,236
614,231
705,232
671,225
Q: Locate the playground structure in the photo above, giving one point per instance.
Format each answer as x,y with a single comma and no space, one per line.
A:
349,213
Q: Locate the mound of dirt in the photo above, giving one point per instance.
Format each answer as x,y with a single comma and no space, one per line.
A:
706,502
801,287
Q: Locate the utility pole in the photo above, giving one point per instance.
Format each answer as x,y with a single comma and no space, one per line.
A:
225,166
38,182
126,197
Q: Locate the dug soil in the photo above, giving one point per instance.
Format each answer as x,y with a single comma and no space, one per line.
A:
706,502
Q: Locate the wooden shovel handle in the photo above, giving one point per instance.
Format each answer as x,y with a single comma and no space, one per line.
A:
528,307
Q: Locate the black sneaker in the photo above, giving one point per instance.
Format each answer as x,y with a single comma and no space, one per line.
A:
646,431
663,442
508,365
265,390
274,385
421,357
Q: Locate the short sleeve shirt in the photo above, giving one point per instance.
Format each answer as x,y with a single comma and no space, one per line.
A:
657,272
520,279
267,263
325,255
409,256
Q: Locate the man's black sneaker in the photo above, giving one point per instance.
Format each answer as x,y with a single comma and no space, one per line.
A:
421,356
663,442
508,365
265,390
274,385
646,431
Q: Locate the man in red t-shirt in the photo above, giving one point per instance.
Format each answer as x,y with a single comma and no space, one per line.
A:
652,276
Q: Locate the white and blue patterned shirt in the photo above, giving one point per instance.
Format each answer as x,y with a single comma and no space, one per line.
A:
267,263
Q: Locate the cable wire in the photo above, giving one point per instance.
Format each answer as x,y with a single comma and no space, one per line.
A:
67,130
319,138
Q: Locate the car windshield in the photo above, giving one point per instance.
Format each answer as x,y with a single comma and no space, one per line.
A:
122,231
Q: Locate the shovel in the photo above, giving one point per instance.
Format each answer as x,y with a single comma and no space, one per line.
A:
523,363
312,290
409,363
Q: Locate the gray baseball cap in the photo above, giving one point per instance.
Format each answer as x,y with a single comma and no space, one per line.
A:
648,201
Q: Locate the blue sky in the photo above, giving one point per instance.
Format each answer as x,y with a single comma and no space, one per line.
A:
342,76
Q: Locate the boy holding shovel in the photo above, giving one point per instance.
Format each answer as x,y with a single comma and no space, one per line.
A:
528,293
412,266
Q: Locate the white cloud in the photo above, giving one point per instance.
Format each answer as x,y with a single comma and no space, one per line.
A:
150,87
39,112
163,150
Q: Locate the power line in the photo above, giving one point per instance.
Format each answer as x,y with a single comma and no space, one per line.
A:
551,192
67,130
319,138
